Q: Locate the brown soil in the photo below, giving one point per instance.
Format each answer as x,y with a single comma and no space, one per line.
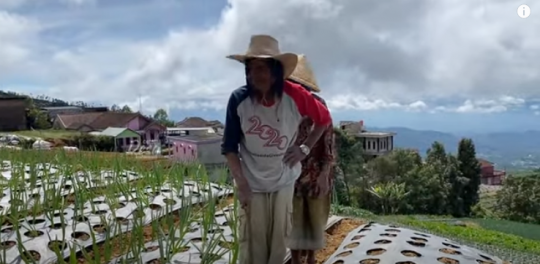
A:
448,261
449,251
120,243
410,253
30,255
335,236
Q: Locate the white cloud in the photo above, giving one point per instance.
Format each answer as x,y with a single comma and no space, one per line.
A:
16,36
367,55
501,104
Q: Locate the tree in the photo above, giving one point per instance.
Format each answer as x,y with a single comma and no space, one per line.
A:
115,108
162,117
38,118
470,169
349,163
458,183
126,109
519,200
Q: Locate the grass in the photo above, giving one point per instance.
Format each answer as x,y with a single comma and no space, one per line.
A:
49,133
529,231
96,217
474,233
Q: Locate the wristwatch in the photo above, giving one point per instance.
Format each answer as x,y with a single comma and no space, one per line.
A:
305,149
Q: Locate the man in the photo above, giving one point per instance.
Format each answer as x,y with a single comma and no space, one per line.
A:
312,190
260,131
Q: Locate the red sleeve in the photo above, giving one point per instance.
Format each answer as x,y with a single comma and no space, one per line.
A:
307,104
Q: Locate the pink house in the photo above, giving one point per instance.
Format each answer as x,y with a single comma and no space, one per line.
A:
148,129
205,148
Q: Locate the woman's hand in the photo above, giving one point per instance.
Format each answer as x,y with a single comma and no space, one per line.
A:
293,155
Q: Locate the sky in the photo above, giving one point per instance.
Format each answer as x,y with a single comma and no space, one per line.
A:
447,65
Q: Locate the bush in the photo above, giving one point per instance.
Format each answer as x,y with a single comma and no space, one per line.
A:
518,200
83,142
91,143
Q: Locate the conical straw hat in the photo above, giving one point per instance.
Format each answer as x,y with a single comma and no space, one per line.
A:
304,75
265,46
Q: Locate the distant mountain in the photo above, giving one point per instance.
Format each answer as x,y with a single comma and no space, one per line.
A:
510,150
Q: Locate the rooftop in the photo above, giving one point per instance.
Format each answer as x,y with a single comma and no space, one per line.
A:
189,129
375,134
62,108
196,138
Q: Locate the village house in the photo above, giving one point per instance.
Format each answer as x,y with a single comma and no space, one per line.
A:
197,122
489,175
148,129
13,114
374,143
202,145
53,111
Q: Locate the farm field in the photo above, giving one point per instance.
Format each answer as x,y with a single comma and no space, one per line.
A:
63,213
65,207
84,207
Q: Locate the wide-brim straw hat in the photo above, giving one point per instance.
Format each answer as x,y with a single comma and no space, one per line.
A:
267,47
304,75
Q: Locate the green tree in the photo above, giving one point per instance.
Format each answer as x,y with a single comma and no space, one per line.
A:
519,199
126,109
349,162
458,183
470,169
38,119
115,108
162,117
390,195
437,163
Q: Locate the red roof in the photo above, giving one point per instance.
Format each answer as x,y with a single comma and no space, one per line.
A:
484,163
100,120
193,122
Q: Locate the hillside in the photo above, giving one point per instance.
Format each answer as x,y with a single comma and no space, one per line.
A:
42,100
510,150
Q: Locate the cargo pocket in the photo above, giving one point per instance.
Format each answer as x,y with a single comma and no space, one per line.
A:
242,226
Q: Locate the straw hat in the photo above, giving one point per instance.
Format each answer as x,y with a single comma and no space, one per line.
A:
303,74
264,46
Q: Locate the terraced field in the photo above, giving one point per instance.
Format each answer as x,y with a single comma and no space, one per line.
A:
56,208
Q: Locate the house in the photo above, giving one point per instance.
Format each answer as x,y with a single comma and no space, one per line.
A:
53,111
13,114
124,138
197,122
202,145
99,121
489,175
374,143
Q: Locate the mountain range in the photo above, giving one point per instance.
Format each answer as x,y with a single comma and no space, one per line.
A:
508,150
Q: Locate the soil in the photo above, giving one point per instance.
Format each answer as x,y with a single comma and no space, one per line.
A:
119,244
335,236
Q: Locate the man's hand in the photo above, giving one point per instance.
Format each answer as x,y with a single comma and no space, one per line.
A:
244,193
293,155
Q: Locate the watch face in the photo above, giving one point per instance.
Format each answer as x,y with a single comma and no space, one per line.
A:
304,149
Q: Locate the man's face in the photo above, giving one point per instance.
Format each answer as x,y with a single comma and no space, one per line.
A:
260,75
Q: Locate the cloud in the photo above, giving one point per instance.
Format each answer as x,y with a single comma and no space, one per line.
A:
501,104
16,36
367,55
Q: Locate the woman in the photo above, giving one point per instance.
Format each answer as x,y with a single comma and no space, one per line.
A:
312,191
260,131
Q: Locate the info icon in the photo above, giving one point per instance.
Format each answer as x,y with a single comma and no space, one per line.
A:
524,11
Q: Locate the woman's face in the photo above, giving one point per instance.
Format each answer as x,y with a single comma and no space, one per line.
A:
260,74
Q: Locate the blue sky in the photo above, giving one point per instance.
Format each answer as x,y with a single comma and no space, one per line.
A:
457,66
